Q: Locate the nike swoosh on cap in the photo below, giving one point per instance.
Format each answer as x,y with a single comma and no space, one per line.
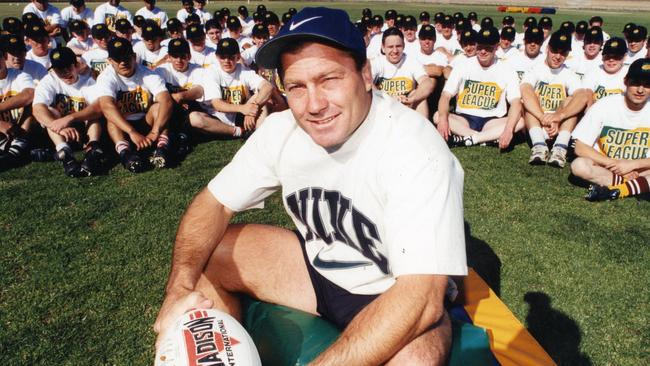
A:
296,25
325,264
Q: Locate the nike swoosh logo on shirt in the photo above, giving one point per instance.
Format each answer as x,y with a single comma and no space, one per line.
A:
296,25
327,264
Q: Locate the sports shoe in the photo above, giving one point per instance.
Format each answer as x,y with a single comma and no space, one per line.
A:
131,161
538,155
184,146
92,161
601,193
13,157
40,155
72,168
558,157
159,157
456,140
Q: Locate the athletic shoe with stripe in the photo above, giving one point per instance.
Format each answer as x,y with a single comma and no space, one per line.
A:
601,193
538,155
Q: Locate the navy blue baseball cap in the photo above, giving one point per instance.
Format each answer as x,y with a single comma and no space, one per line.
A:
330,26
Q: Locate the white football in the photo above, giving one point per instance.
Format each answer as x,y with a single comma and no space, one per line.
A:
207,337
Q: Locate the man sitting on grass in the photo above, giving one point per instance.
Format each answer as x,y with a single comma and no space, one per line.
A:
613,140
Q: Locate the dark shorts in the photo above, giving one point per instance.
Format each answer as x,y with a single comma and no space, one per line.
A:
333,302
475,123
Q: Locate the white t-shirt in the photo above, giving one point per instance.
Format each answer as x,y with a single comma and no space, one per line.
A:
242,40
631,57
396,79
522,63
614,130
552,86
412,48
483,92
436,58
248,55
374,46
133,95
576,45
96,59
148,58
182,14
603,84
505,55
181,81
519,40
65,98
51,15
68,14
35,70
365,216
458,59
157,15
450,45
234,88
581,65
43,60
15,82
84,46
109,14
204,15
204,58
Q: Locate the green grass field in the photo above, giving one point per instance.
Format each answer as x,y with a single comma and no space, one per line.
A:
83,262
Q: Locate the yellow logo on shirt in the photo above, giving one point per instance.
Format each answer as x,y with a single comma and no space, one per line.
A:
12,115
98,65
625,144
550,96
66,104
234,94
479,95
601,92
133,101
396,86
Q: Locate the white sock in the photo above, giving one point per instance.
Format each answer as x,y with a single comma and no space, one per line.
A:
237,132
562,139
62,146
536,136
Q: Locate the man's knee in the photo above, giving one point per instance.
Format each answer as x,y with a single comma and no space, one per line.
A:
197,119
430,348
582,168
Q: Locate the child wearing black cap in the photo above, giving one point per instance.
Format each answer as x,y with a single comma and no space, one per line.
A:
96,57
150,52
16,93
63,103
81,40
151,11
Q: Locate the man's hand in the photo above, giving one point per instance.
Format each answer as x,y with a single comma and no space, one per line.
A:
7,128
623,167
175,305
60,123
505,139
70,134
249,123
250,109
552,118
552,130
443,127
153,136
177,97
406,100
141,142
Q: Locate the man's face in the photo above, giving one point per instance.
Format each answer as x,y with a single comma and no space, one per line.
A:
150,4
69,75
393,48
188,6
592,49
327,95
532,49
505,43
180,63
124,68
485,54
446,31
612,63
214,35
152,44
200,5
16,61
469,49
228,63
390,23
555,58
40,47
235,33
636,93
273,29
409,34
114,2
101,42
176,34
40,4
128,35
635,46
426,45
259,41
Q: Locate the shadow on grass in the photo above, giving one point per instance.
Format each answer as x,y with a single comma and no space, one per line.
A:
482,258
555,331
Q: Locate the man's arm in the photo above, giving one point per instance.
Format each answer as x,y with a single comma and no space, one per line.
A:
573,106
442,122
263,93
423,90
165,106
43,115
193,93
89,113
201,229
514,114
531,102
585,151
225,107
398,316
20,100
433,70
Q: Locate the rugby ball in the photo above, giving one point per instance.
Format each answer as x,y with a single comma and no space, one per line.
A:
207,337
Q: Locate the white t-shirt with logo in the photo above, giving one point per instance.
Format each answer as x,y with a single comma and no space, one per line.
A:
96,59
148,58
366,217
109,14
374,46
505,55
43,60
65,98
182,14
177,81
581,65
552,86
630,57
204,58
133,95
35,70
157,15
12,85
68,14
614,130
203,15
450,45
435,58
51,15
521,63
234,88
396,79
483,92
602,83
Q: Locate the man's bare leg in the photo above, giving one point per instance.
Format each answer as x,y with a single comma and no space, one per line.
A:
430,348
459,126
208,124
494,128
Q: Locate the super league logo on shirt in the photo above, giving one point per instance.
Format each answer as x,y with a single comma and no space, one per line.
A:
346,224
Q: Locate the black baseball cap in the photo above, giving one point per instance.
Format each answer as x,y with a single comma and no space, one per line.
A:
120,49
545,22
243,10
594,35
530,22
174,25
637,34
233,23
627,28
427,31
271,18
62,58
508,20
195,31
366,12
581,27
35,31
560,42
228,47
212,24
399,19
489,36
438,17
390,14
178,47
193,19
448,21
13,44
468,37
329,26
458,15
100,31
225,10
534,35
151,31
568,27
377,20
639,72
139,21
261,8
187,2
425,16
12,25
508,33
286,18
123,25
472,16
462,24
487,22
615,46
30,17
77,3
596,18
77,26
294,11
409,22
260,31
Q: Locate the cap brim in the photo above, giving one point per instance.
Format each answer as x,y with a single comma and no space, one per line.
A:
268,56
